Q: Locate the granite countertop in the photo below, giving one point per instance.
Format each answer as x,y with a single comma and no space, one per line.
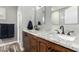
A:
74,45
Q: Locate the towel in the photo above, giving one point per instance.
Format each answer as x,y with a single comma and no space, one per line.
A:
13,47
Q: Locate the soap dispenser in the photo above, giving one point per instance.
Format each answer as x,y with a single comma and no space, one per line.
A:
30,25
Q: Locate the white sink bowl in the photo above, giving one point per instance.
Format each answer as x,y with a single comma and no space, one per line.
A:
66,37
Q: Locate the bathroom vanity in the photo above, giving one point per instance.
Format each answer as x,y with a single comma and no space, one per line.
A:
34,43
51,18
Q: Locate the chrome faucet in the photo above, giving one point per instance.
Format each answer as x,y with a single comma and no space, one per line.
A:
62,28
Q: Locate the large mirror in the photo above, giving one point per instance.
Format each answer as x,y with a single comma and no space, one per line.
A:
64,15
58,14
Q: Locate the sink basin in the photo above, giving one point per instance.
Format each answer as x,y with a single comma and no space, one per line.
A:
66,37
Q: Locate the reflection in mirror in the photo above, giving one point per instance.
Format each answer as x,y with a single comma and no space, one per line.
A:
61,17
64,15
71,15
55,17
57,14
39,14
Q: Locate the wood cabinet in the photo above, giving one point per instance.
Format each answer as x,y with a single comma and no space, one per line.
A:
26,42
36,44
33,44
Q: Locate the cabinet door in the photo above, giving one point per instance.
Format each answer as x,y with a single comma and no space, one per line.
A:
26,42
43,45
51,47
33,44
59,48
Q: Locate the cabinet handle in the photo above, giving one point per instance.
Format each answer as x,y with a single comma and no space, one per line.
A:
50,49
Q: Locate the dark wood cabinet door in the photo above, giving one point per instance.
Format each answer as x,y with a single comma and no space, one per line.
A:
33,44
26,43
51,47
42,47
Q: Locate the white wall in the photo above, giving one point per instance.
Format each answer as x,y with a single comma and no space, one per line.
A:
11,16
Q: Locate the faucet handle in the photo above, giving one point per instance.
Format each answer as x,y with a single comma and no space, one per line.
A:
57,32
70,32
